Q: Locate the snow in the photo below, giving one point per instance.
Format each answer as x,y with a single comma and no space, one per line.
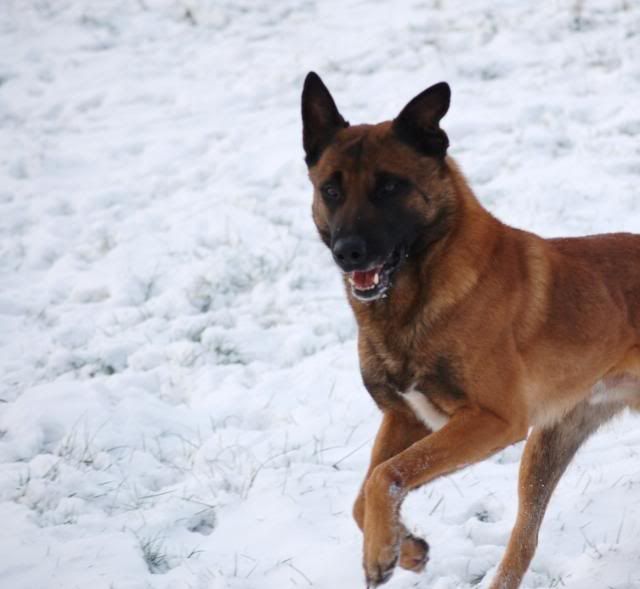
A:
181,403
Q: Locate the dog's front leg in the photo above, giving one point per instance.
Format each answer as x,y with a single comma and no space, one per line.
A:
397,432
471,435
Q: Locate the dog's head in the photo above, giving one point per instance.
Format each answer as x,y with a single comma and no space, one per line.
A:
380,191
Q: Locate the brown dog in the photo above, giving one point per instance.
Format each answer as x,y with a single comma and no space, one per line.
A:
470,332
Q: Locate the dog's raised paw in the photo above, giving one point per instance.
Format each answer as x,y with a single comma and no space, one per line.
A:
414,554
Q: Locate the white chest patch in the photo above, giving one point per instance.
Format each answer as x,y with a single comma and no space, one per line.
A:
425,410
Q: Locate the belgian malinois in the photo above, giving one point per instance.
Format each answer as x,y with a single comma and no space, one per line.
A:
470,332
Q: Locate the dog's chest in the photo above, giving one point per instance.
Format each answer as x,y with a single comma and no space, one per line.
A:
424,409
431,387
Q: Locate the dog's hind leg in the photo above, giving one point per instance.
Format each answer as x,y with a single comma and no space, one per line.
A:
397,432
547,453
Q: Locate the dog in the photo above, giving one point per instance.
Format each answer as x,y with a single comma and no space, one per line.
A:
471,333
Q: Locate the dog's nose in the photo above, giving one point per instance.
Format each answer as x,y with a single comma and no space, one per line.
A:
349,252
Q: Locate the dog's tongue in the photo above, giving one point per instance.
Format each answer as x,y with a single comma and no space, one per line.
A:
364,280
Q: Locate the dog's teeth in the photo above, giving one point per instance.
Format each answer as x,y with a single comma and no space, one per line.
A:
376,278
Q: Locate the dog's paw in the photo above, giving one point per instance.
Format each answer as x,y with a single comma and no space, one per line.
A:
414,554
383,531
379,566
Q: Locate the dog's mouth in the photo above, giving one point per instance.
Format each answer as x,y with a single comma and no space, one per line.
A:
374,282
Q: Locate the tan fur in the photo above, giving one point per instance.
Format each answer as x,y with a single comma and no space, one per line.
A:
501,330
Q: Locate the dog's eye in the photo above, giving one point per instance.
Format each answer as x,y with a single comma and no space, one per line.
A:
389,186
330,192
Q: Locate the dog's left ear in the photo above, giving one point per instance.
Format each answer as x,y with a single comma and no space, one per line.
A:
320,118
418,124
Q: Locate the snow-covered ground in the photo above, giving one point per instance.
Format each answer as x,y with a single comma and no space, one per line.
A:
180,403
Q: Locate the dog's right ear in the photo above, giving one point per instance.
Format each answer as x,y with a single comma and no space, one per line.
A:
320,118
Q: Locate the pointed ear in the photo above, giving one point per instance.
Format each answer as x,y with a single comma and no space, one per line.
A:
320,118
418,124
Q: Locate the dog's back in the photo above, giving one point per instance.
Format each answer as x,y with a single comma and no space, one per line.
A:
614,259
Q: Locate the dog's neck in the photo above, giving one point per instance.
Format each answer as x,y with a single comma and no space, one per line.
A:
431,283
